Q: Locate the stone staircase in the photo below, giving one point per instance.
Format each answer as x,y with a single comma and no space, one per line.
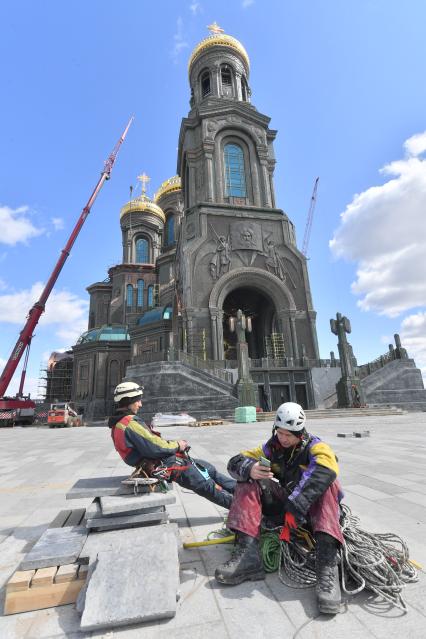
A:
176,387
328,413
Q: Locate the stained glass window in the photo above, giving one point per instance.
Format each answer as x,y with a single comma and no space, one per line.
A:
141,285
235,181
142,251
170,230
129,295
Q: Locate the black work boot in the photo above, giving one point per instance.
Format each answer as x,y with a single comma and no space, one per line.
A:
245,563
328,587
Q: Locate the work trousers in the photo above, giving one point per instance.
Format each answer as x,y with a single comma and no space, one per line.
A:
246,511
217,488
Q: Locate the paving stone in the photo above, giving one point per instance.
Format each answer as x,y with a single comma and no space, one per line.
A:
55,547
135,504
128,587
99,486
155,515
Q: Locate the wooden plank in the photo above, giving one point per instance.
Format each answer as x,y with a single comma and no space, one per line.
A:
60,519
44,577
68,572
43,597
76,517
20,580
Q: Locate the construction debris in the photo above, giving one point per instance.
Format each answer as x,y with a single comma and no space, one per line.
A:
208,422
364,433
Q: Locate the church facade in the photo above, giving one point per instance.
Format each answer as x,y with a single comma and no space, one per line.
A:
213,240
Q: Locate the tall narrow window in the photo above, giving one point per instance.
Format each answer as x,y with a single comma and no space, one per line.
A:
142,251
129,295
235,181
141,285
150,296
170,230
226,76
205,84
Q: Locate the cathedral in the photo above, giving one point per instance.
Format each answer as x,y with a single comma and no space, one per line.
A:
211,241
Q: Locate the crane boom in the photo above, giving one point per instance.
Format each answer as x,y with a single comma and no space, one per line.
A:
308,226
38,308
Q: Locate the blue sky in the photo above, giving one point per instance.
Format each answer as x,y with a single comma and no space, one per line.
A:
343,82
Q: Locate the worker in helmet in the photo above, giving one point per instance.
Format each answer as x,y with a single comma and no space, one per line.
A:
141,446
291,480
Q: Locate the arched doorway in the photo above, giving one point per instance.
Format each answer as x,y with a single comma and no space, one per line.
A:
260,308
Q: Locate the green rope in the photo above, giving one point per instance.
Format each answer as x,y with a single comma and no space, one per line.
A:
270,550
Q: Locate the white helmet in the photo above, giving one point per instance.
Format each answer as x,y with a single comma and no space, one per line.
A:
290,416
129,390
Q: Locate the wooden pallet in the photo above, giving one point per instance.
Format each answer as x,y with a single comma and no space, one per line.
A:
44,588
208,422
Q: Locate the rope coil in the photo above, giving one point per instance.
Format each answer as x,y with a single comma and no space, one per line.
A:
376,562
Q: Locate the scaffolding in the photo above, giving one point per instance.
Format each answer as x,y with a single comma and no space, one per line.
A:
55,379
274,346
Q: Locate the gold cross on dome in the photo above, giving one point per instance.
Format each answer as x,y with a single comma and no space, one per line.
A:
215,29
144,179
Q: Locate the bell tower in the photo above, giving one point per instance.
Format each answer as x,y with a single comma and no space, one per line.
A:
237,250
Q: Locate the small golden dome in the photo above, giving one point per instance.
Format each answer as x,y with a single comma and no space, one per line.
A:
218,38
168,186
143,203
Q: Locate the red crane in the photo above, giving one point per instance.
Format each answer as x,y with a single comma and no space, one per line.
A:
24,340
308,226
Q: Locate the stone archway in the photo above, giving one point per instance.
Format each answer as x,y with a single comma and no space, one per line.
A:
255,287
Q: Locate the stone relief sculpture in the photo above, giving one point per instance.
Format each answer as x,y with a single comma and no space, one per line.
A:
273,261
221,259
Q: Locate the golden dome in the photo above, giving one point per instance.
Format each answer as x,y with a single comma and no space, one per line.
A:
218,38
168,186
143,203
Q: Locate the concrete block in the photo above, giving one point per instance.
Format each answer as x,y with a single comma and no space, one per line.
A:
134,585
134,504
56,546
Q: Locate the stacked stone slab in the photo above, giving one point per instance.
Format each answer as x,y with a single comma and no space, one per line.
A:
133,577
128,511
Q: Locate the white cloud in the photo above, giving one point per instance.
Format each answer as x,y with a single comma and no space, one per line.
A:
65,309
383,230
58,223
15,225
179,42
3,285
195,7
246,3
413,338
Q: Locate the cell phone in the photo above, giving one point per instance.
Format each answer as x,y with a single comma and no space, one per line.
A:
264,462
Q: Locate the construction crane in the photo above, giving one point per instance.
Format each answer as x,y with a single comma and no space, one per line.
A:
21,402
308,227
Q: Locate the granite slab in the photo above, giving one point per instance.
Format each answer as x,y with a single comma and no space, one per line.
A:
122,540
56,547
111,506
128,587
99,486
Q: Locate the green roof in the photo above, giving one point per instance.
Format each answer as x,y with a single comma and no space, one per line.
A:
105,334
156,315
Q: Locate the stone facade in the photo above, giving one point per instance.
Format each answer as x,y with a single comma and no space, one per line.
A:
210,243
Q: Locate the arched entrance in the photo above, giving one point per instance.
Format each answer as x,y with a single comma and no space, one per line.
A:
260,308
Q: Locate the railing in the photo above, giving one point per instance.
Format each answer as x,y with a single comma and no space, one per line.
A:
376,364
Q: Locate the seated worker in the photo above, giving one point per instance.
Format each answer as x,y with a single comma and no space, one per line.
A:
300,480
139,445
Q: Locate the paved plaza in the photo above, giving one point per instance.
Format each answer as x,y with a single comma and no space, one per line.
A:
384,480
